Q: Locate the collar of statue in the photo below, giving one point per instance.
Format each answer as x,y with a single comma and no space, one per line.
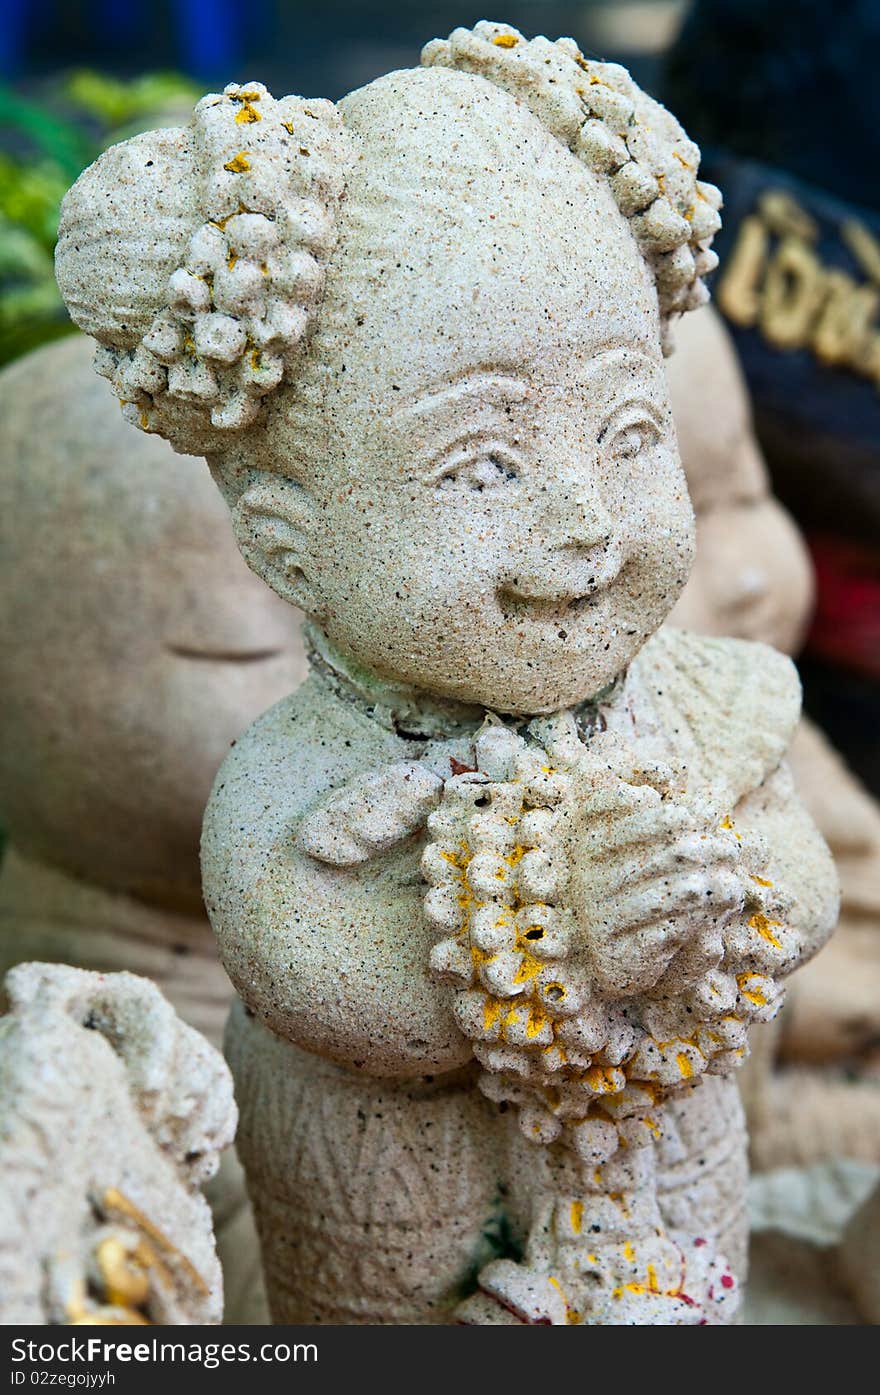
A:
414,713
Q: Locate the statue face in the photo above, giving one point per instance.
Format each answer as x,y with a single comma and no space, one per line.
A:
752,577
501,517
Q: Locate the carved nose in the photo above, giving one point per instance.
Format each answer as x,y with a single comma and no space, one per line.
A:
751,584
582,520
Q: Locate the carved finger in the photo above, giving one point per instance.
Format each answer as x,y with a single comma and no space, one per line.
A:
616,799
707,894
641,824
623,870
608,759
633,964
708,849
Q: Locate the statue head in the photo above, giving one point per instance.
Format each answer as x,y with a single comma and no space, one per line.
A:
419,337
142,644
752,576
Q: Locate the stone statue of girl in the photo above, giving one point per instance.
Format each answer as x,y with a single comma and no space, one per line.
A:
502,886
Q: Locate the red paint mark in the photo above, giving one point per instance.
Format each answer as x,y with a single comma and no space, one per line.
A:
679,1292
459,769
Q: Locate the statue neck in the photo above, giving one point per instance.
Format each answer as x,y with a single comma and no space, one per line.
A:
406,710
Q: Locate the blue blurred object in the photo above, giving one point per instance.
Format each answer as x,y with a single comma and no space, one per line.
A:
792,85
16,17
202,37
120,22
207,31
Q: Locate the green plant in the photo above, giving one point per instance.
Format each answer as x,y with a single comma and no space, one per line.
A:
45,145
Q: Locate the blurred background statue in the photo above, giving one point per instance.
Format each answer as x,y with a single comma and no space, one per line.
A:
143,646
813,1084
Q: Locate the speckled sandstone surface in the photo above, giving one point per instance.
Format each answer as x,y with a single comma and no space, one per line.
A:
419,336
113,1114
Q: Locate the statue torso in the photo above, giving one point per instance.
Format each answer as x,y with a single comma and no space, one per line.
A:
335,959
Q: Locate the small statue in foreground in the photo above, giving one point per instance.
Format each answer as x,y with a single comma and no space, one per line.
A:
812,1086
113,1114
504,884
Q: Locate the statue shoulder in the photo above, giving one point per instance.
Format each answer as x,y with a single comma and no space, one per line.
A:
728,708
305,745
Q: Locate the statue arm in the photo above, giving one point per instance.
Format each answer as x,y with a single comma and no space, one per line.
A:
798,861
370,814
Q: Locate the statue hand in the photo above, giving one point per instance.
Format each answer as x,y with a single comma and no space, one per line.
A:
654,877
370,813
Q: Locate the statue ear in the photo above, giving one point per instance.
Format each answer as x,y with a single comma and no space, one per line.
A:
274,527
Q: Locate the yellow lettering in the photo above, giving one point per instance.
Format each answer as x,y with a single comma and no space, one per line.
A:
794,290
738,292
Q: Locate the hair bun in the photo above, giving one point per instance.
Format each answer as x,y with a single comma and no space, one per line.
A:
210,244
127,220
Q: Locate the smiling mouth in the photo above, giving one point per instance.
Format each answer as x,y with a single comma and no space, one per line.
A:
223,656
587,582
552,609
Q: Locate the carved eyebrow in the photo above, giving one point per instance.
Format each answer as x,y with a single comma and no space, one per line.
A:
485,385
615,355
641,404
494,382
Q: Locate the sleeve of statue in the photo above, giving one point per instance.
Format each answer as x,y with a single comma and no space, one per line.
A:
370,814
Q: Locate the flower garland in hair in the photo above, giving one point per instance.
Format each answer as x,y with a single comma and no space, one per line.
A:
269,178
621,133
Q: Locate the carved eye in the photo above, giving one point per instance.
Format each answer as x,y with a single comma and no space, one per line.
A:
477,473
630,440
